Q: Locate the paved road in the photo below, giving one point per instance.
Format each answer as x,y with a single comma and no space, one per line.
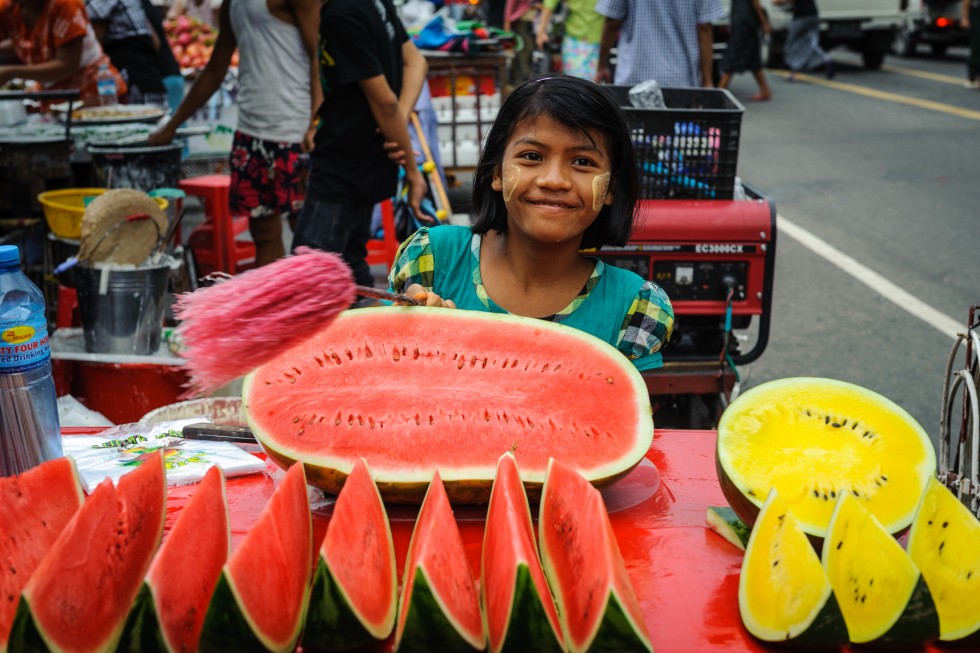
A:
878,170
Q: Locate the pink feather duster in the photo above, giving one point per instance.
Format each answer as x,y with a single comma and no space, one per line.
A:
234,326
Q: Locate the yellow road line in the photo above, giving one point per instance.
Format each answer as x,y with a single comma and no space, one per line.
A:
913,72
884,95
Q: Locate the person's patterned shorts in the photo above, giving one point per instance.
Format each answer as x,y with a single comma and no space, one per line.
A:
267,177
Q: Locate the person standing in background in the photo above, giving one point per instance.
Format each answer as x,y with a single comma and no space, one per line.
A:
743,52
669,41
583,32
802,51
125,34
55,45
199,10
278,96
173,81
372,75
519,18
970,20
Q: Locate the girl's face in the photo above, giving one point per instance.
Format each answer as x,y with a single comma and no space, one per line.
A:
554,180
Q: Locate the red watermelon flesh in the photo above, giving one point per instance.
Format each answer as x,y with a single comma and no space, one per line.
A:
497,383
185,570
81,593
440,609
355,590
261,596
518,618
585,568
34,507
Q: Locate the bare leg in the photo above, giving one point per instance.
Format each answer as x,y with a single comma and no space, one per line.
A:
267,236
726,79
764,91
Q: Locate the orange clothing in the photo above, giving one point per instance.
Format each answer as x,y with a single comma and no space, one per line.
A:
60,22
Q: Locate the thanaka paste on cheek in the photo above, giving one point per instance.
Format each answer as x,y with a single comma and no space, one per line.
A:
600,187
509,180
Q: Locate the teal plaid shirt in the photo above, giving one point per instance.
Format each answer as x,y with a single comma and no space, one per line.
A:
618,306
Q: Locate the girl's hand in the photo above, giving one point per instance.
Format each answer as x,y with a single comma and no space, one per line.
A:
430,298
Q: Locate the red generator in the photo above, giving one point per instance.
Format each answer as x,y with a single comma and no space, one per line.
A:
715,259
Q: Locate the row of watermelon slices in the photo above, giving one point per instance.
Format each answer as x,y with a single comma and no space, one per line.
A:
90,574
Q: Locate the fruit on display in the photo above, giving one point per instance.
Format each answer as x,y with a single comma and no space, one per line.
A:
596,602
784,594
192,41
944,543
80,595
169,612
355,588
724,521
260,599
439,609
34,508
415,390
815,439
520,612
882,594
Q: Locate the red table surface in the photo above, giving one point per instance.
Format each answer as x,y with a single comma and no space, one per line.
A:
685,576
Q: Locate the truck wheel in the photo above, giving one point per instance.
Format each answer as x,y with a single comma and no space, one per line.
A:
876,46
873,59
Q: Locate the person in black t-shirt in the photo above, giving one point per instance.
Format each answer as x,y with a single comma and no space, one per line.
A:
371,74
803,52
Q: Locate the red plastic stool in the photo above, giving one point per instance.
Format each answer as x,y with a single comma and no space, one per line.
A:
383,250
214,242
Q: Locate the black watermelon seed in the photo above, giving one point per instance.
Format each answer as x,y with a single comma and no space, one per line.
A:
945,524
969,574
854,426
884,478
833,495
816,494
840,544
809,414
871,582
775,562
826,420
930,522
855,493
825,498
863,597
751,493
942,544
844,423
865,434
836,425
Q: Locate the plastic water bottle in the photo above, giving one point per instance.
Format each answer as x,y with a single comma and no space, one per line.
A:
106,84
29,430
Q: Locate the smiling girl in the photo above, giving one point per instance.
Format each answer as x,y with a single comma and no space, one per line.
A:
557,176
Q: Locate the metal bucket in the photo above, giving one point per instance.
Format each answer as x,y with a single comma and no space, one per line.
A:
143,167
122,308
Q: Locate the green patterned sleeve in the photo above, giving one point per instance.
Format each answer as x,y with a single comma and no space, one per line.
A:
647,327
413,263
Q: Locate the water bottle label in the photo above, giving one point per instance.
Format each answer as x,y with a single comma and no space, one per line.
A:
24,346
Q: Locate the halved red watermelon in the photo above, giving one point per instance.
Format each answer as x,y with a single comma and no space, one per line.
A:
496,383
520,613
581,559
81,593
439,609
34,507
169,612
355,588
261,596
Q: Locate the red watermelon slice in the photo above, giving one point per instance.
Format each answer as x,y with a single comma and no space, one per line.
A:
520,612
81,593
261,596
169,612
355,588
34,508
440,609
598,607
350,391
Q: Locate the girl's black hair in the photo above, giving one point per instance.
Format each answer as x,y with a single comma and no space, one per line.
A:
580,105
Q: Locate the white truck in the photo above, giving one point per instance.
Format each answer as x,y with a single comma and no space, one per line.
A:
865,26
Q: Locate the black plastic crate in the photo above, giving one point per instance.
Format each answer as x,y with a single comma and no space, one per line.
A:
689,149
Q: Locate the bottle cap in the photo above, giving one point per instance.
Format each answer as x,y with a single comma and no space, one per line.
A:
9,254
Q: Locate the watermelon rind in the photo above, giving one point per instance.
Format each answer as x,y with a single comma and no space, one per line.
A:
331,624
724,521
528,626
294,420
142,630
918,623
616,632
426,626
227,629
